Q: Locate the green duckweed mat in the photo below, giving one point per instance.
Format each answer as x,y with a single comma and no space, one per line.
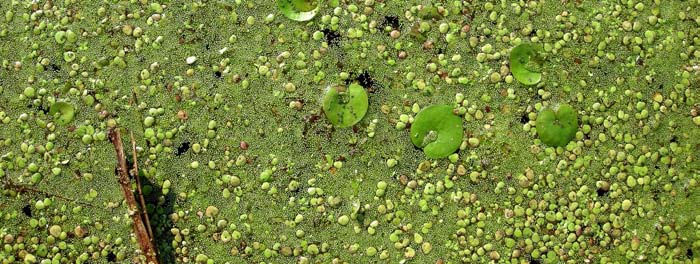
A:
238,163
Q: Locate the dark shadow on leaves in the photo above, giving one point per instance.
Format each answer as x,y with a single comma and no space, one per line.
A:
159,207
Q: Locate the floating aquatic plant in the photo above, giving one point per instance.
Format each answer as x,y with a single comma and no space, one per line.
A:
437,131
556,127
524,64
62,112
345,106
299,10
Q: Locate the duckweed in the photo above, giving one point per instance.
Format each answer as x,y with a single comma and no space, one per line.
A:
278,131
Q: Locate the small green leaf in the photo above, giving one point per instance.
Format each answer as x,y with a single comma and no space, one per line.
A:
299,10
557,128
62,112
525,62
429,12
345,107
437,130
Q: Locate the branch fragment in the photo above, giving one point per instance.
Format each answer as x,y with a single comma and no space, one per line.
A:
143,236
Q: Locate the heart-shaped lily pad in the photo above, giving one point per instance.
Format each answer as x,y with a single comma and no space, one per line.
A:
62,112
557,127
525,62
345,107
299,10
437,130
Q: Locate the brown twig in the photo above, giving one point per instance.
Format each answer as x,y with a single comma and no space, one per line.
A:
135,174
22,188
142,235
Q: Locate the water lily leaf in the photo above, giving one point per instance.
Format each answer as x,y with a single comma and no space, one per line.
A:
345,107
437,130
556,127
525,63
62,112
299,10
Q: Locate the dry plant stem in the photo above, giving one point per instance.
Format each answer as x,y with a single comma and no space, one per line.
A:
135,171
21,188
135,174
142,235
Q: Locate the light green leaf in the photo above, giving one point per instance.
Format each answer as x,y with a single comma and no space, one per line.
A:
437,130
345,107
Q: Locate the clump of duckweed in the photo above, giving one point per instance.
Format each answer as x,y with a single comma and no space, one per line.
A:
579,146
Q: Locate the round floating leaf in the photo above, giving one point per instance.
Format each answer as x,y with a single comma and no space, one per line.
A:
299,10
437,130
525,64
557,128
62,112
345,107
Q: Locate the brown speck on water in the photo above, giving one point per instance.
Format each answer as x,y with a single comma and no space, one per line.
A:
428,44
402,55
403,179
182,115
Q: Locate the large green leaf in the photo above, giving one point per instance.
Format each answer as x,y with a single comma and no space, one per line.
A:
345,107
525,64
437,130
557,128
62,112
299,10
